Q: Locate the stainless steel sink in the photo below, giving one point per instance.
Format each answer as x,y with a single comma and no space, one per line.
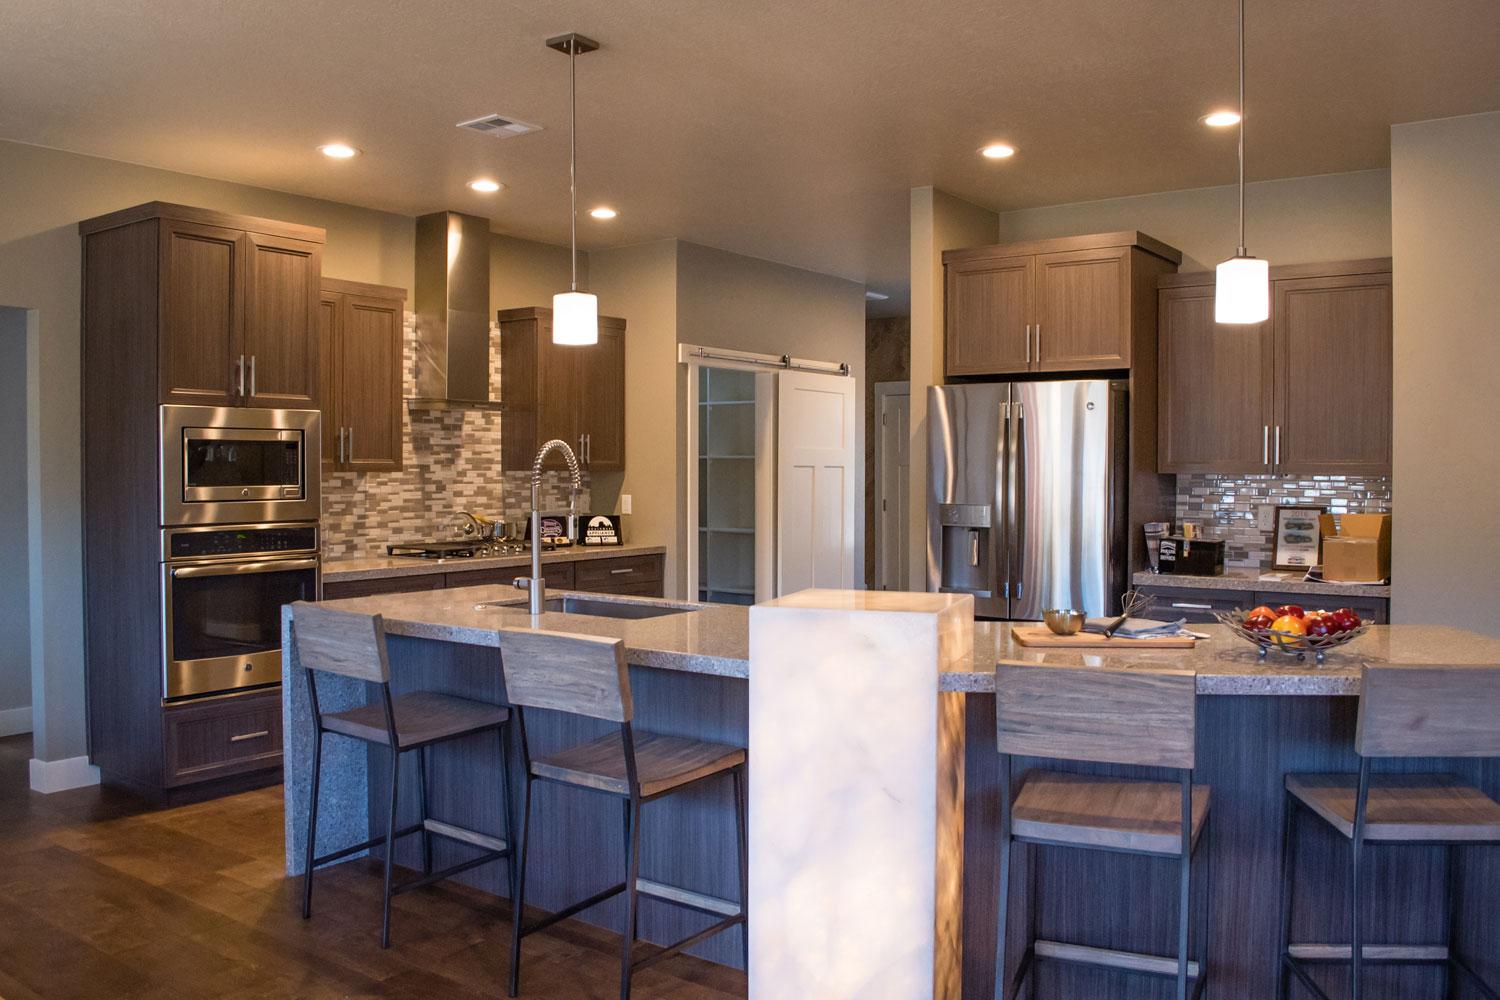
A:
611,609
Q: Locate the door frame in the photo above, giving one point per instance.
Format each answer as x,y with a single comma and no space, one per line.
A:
901,387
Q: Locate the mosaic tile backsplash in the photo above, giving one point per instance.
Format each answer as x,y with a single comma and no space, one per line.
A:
451,463
1229,507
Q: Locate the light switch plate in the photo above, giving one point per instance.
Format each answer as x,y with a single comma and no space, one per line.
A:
624,503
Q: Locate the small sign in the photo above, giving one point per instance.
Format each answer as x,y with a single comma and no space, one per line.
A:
602,529
554,530
1297,537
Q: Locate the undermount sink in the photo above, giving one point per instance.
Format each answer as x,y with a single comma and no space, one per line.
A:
611,609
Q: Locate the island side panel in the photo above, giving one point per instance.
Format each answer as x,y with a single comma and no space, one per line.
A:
1246,745
577,845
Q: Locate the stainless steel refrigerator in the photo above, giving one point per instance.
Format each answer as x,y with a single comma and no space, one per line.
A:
1026,495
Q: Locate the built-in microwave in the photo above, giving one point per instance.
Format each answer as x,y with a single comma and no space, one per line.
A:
230,464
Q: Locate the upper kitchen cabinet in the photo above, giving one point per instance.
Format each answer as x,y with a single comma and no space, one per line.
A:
573,394
238,303
1078,304
1306,393
361,354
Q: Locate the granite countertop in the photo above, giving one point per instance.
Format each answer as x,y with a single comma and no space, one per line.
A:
384,567
1251,579
714,639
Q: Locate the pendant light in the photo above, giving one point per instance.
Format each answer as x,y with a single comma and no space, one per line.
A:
575,314
1242,284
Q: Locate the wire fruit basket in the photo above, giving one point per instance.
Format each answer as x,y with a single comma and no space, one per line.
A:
1288,644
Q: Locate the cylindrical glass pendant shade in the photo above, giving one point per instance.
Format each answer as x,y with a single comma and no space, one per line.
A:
1242,291
575,318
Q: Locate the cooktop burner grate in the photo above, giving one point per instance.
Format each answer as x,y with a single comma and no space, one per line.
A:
436,550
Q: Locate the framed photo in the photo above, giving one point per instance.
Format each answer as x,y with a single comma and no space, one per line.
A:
1297,539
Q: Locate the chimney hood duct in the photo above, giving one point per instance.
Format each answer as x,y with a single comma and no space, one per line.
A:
453,313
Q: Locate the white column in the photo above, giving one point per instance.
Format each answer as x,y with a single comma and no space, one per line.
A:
856,795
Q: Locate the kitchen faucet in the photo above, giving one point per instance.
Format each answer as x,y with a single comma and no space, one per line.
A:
535,585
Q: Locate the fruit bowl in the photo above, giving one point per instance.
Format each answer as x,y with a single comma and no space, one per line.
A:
1288,643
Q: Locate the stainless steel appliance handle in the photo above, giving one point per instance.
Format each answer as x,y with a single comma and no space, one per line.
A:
1002,556
240,370
237,569
1265,444
1017,497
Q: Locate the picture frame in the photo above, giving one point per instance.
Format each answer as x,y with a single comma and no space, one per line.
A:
1297,543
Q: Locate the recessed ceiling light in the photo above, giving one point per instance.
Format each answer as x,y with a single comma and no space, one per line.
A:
1221,119
875,296
603,212
485,186
997,151
338,150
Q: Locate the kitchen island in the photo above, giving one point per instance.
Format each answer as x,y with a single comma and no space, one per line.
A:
1256,721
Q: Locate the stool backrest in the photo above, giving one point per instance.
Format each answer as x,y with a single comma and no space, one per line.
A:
580,674
1142,717
1409,711
341,642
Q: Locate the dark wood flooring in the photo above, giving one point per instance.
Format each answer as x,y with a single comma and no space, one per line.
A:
102,896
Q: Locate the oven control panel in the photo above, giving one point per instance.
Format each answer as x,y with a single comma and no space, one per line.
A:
233,541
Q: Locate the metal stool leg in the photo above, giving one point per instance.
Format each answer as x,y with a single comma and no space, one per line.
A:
422,788
1185,888
518,898
312,826
632,874
507,806
1450,899
1288,872
390,850
742,838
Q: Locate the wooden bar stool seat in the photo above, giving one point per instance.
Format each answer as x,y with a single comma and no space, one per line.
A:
1409,808
1136,718
1112,813
1404,712
353,646
586,676
422,717
662,763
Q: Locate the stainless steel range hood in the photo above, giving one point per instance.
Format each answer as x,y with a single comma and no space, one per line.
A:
453,313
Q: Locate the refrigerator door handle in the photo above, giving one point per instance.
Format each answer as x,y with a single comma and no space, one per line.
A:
1015,498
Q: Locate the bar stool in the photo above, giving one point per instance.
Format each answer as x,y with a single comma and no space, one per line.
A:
1140,719
587,676
353,645
1404,711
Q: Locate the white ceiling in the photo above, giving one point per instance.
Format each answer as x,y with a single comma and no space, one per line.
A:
791,131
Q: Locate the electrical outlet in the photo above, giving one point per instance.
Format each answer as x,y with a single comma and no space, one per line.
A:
624,503
1265,517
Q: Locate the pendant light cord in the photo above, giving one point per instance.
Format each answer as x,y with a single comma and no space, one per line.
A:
1241,251
573,150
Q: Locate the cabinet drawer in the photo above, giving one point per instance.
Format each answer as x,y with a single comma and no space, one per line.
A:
607,576
1197,606
559,576
1374,610
224,736
386,585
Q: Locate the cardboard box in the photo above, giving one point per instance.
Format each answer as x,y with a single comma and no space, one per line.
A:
1356,547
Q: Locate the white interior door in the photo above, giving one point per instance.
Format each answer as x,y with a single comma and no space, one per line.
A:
816,492
892,474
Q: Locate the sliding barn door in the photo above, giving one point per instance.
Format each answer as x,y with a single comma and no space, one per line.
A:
817,494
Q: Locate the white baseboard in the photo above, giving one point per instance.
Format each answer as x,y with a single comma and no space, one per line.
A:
48,776
15,721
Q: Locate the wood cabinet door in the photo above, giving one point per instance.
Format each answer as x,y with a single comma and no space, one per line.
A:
1082,312
1214,388
369,395
202,314
601,401
988,307
280,340
330,314
1333,375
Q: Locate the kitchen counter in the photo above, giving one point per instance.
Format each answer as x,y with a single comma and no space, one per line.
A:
386,567
1250,579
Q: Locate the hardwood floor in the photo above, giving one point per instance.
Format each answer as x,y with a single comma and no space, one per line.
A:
102,896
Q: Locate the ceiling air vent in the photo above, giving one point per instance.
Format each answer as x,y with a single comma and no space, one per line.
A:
499,126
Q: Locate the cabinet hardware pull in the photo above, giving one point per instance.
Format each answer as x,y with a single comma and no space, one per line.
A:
1265,444
252,375
1192,606
617,572
240,370
351,446
1039,343
250,736
1028,343
341,446
1278,446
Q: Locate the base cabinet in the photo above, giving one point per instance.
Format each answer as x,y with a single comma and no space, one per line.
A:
1198,605
639,575
219,737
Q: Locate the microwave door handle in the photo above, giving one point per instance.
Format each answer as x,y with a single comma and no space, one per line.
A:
239,569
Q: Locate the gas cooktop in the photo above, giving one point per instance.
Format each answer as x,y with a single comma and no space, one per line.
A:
453,549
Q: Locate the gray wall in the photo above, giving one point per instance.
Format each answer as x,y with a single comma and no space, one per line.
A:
1445,200
15,630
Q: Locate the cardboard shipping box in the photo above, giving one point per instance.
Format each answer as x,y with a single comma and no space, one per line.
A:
1356,547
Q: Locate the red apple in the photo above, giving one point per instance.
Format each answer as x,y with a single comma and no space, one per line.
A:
1257,622
1295,610
1321,624
1345,620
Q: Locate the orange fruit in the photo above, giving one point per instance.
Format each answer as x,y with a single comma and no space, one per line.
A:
1288,630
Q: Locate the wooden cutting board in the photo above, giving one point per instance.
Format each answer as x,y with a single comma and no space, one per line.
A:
1041,635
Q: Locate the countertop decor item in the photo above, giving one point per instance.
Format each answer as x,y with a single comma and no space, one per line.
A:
1064,621
1288,644
1297,537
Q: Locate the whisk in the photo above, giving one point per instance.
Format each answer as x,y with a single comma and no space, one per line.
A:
1132,603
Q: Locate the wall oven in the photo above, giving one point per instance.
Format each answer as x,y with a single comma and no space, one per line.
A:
222,591
234,464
